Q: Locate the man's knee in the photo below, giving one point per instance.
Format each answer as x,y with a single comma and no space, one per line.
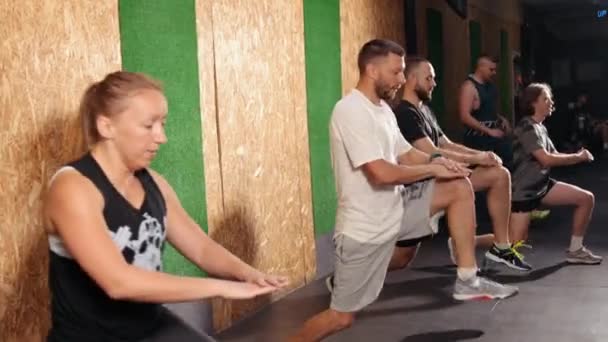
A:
452,191
496,175
462,189
502,174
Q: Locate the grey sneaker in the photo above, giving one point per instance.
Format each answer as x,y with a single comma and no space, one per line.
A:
583,256
481,288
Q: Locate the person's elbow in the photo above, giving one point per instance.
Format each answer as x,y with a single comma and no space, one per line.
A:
377,174
544,160
545,163
117,291
120,286
464,115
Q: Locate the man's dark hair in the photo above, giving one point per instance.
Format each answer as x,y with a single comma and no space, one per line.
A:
488,57
377,48
412,63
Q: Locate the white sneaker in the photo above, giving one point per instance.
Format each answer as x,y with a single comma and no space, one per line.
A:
481,288
583,256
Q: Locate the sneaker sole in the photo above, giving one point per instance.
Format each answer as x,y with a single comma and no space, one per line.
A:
501,261
462,297
582,262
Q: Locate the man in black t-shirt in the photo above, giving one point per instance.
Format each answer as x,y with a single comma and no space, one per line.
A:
419,127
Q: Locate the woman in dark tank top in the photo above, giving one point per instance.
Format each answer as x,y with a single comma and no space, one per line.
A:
108,216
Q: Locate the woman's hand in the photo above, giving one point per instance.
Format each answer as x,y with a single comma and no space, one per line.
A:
243,290
261,279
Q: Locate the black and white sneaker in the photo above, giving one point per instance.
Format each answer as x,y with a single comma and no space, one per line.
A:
510,257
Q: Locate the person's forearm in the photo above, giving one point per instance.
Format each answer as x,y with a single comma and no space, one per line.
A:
404,174
415,156
456,155
452,146
217,260
473,123
561,159
137,284
383,173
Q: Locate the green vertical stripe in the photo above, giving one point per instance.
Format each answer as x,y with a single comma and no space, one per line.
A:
323,89
505,86
158,37
435,55
475,42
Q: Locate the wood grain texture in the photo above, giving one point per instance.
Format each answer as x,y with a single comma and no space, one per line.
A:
50,53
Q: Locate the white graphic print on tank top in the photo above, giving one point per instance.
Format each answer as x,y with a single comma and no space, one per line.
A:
145,245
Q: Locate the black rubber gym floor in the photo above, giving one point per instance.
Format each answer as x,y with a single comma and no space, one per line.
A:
556,302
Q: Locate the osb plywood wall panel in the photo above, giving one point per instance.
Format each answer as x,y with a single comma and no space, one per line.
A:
362,20
456,56
51,50
490,30
504,15
261,137
206,67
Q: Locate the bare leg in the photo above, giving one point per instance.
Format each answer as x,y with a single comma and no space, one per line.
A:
484,241
568,194
402,257
456,197
519,226
322,325
497,181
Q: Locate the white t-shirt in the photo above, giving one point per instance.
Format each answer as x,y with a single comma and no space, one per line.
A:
361,132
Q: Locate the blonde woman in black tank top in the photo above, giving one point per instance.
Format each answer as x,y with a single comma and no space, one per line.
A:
108,216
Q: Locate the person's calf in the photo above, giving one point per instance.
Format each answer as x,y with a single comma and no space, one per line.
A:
461,222
402,257
499,204
582,213
485,241
518,226
587,200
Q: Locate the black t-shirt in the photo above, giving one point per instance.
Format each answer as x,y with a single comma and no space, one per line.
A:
417,123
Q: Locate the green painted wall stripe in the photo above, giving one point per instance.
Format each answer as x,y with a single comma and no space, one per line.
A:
475,41
323,89
158,37
434,26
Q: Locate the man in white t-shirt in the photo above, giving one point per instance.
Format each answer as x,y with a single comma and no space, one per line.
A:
371,160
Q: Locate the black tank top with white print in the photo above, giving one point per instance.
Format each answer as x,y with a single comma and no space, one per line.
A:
80,309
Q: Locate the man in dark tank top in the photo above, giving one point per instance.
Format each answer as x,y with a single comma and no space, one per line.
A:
485,129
